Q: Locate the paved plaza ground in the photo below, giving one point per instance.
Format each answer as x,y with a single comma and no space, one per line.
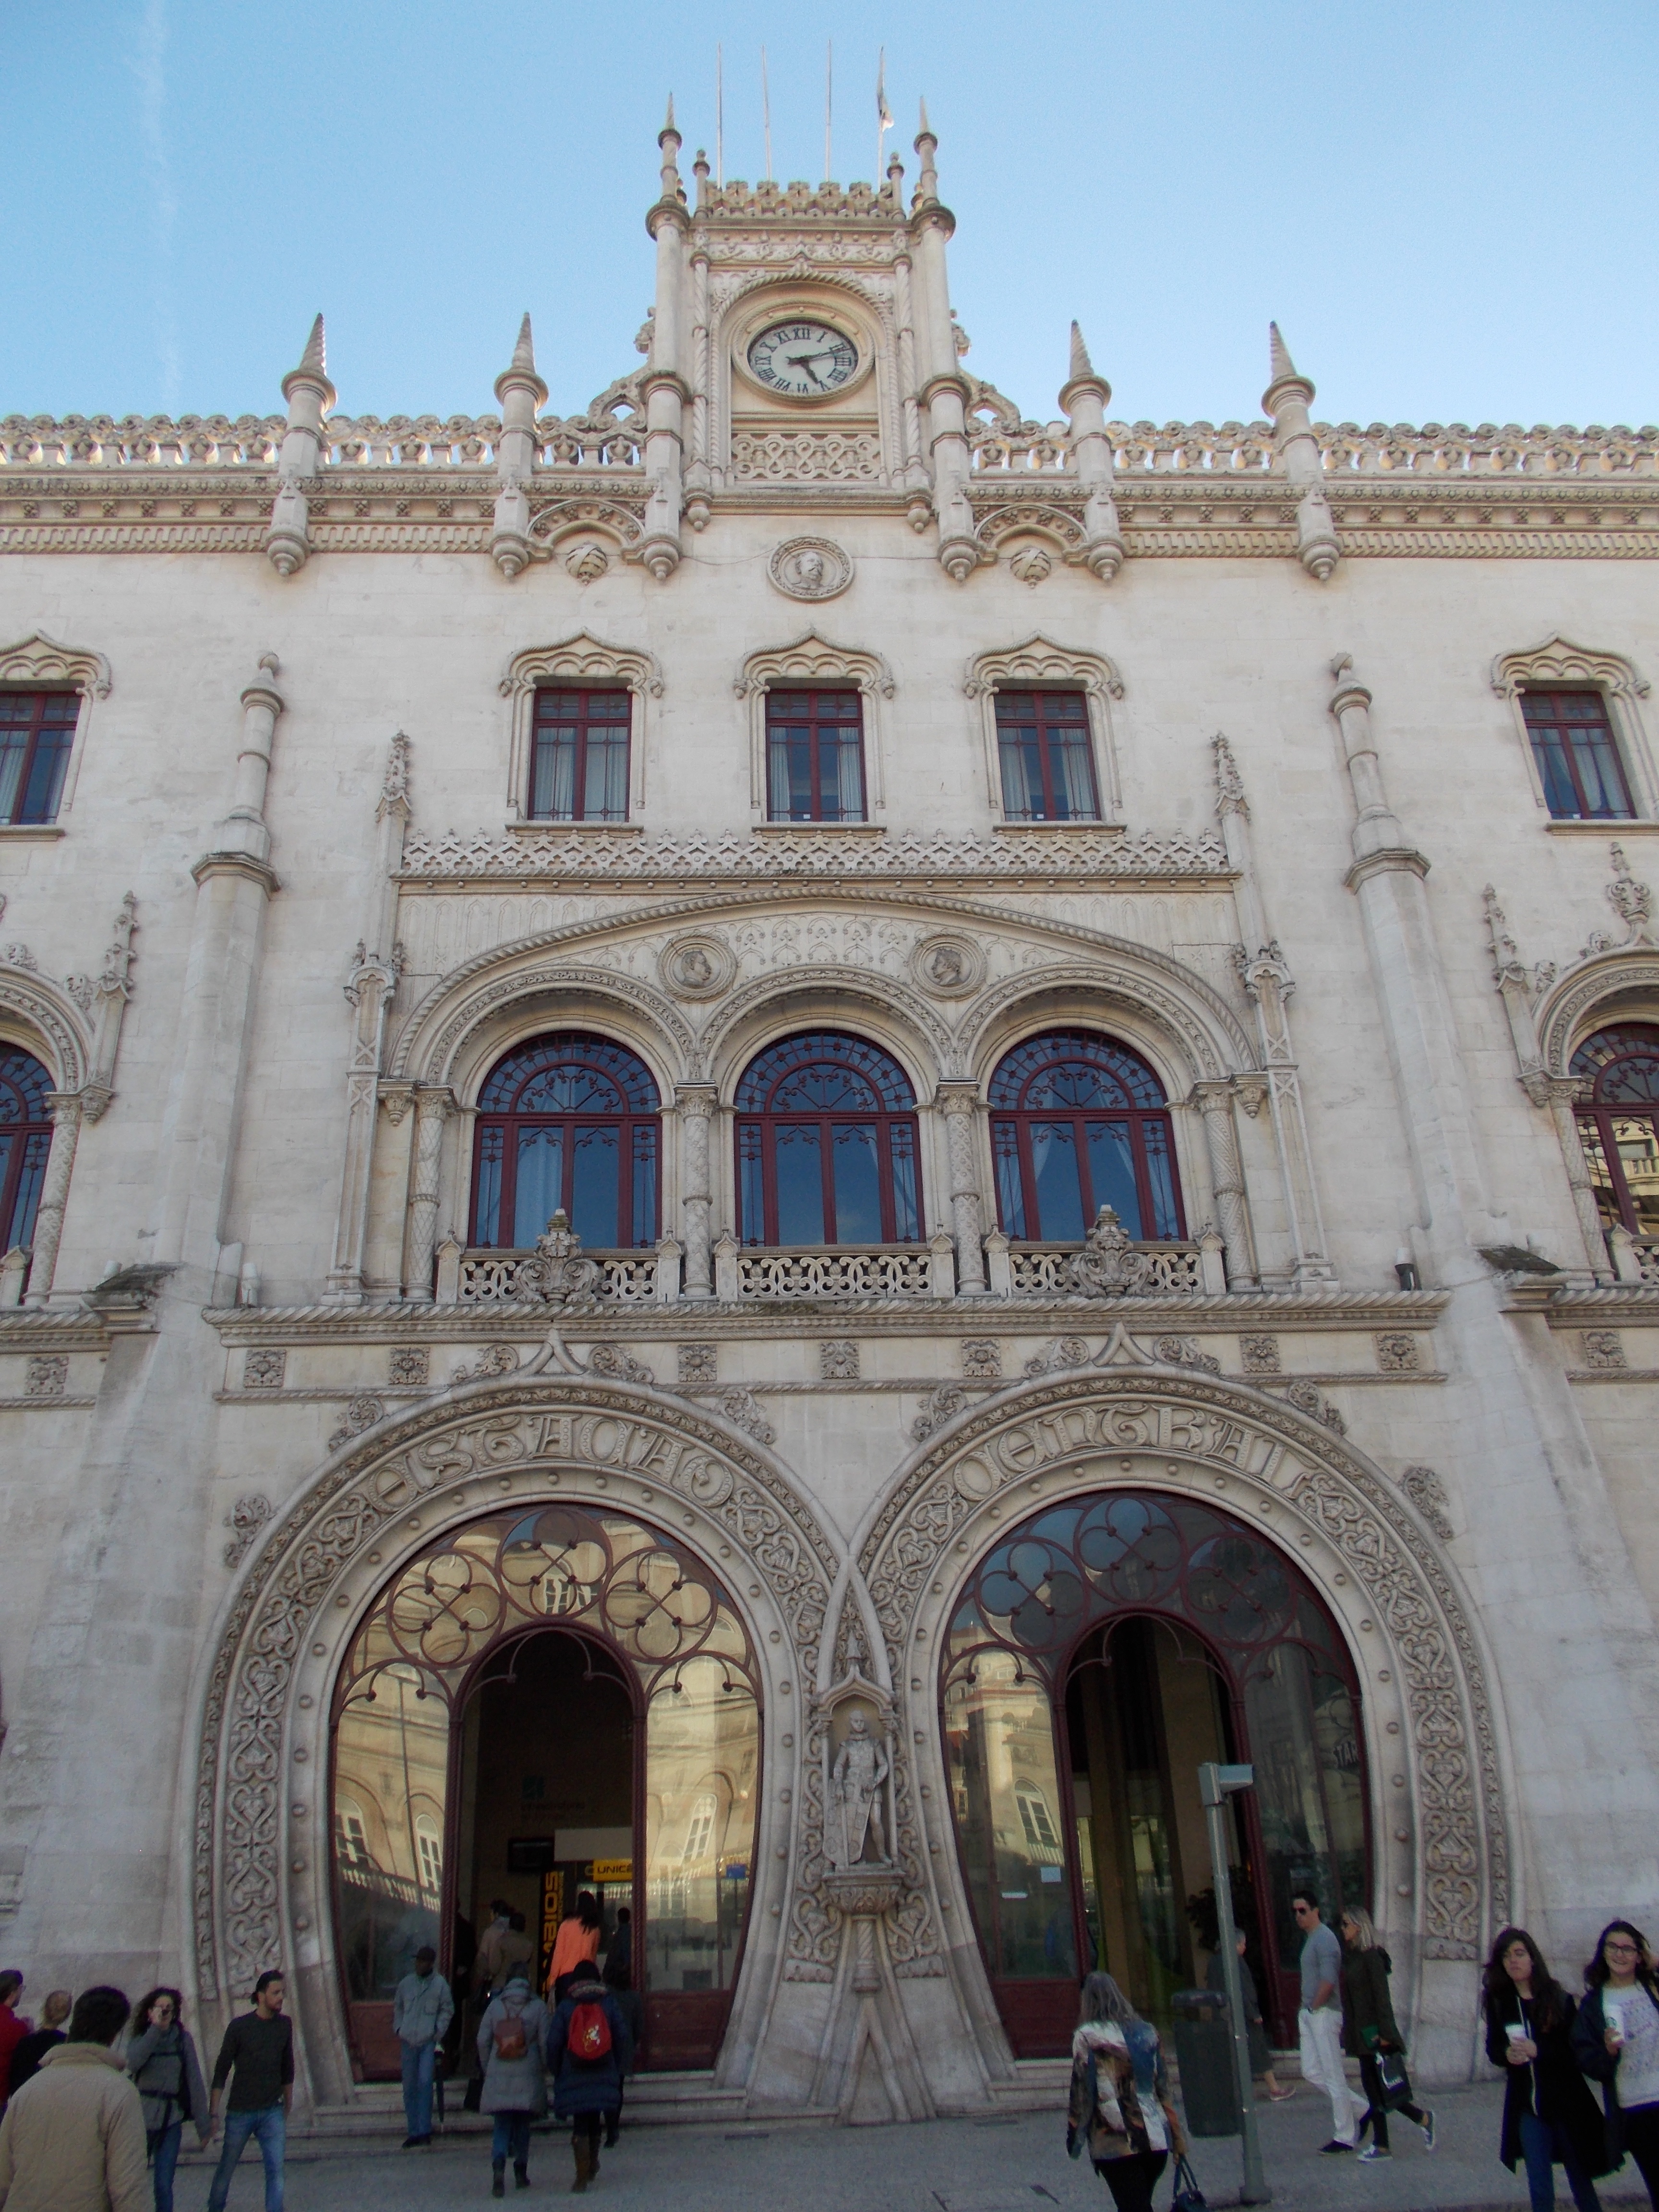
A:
996,2164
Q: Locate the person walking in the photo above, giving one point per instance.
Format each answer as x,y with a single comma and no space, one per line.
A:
618,1978
515,2079
1261,2058
1370,2033
167,2076
73,2138
1550,2118
26,2058
1319,2023
1119,2108
576,1944
588,2051
422,2009
1615,2040
488,1962
257,2059
13,2027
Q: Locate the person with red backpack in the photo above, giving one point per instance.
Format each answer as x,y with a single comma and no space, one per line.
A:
515,2079
588,2051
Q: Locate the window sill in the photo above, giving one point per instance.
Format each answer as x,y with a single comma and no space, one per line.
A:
820,828
1617,826
524,829
23,833
1020,829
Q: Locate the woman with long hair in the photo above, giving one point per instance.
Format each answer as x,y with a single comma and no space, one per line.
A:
1615,2038
1119,2108
1369,2031
167,2076
1550,2118
576,1944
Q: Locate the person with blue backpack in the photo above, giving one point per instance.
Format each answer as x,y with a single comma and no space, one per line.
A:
588,2051
1120,2110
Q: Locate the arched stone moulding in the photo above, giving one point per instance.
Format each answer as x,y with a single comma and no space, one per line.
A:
578,660
1036,661
40,1016
261,1890
1433,1732
813,660
1614,986
39,660
1557,661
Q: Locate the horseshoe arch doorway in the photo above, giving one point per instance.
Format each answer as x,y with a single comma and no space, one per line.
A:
551,1697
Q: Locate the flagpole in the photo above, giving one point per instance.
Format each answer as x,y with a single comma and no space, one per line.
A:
883,120
719,118
766,113
828,82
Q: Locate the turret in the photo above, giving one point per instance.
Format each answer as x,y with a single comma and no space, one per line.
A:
1083,399
665,389
310,396
1287,399
521,395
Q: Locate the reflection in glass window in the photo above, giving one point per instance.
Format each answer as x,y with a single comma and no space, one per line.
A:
1620,1125
999,1753
25,1141
569,1121
702,1763
579,757
37,730
1043,750
1578,762
827,1145
814,757
1078,1121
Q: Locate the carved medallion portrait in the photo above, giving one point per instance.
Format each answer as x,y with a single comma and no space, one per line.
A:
948,966
810,568
697,966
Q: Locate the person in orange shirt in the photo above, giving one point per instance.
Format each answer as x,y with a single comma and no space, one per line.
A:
576,1944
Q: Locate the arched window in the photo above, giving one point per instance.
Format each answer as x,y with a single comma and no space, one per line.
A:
568,1121
827,1145
1621,1125
1078,1122
25,1140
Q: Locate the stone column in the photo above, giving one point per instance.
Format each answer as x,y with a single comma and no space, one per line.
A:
433,1104
959,1103
696,1102
65,1107
1561,1093
943,392
663,387
1287,399
1084,399
1214,1101
310,396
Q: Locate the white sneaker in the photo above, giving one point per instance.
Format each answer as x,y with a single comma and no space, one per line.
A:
1428,2130
1371,2154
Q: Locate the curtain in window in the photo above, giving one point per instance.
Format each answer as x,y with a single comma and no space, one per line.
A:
553,794
606,797
1022,774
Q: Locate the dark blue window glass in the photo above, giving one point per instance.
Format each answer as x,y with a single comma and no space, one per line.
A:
827,1145
567,1122
1080,1121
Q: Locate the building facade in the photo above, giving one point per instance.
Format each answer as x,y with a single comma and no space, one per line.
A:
761,1147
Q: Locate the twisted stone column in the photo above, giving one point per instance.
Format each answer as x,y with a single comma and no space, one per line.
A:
65,1107
697,1102
1561,1093
433,1104
959,1103
1214,1101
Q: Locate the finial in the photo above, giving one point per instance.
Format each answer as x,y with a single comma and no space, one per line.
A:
314,355
524,354
668,129
926,128
1285,380
926,146
1081,364
313,368
1278,355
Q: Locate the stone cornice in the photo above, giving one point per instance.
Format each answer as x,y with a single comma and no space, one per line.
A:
1635,1303
48,1328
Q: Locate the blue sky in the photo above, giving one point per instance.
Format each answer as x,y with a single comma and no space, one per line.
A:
1449,208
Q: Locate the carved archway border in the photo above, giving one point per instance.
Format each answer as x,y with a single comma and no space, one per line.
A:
260,1846
1195,1022
1612,976
440,1031
883,994
31,1001
1380,1571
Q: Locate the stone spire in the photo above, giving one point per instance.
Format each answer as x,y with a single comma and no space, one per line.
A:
1084,397
926,147
1287,399
668,138
663,387
310,396
522,394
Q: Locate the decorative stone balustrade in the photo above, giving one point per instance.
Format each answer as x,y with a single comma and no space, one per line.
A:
894,1271
1045,1271
630,1278
595,440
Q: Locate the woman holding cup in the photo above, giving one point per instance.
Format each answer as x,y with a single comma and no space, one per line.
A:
1550,2118
1615,2038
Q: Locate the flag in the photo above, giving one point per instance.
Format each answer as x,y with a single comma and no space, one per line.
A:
883,117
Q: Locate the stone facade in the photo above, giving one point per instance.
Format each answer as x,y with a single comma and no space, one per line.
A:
250,1365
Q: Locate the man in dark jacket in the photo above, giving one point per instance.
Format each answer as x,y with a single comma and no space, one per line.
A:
257,2059
587,2082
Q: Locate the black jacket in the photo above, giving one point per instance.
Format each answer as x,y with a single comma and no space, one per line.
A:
1589,2051
1552,2085
1367,2005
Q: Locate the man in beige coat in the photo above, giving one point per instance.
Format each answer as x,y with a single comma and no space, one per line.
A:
73,2138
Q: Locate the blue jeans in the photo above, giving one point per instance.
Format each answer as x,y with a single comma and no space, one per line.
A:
419,2059
1545,2144
164,2159
510,2139
270,2129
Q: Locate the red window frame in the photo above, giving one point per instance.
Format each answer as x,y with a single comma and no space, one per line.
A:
898,1139
1143,1108
815,711
495,1138
559,708
1562,735
1624,1056
25,1135
37,736
1032,721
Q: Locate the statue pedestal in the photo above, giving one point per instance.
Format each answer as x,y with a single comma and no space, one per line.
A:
864,1893
869,2069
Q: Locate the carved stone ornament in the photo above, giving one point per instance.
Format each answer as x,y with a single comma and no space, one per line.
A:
982,1356
1109,1264
244,1520
1398,1353
858,1825
409,1364
362,1413
948,966
264,1368
557,1271
1604,1348
838,1360
494,1360
698,1363
1428,1494
1260,1354
701,966
811,569
1558,662
1299,1486
40,659
938,1407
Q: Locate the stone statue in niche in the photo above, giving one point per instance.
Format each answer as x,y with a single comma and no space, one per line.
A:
858,1780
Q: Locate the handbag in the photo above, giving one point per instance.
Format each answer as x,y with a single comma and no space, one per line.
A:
1188,2197
1396,2083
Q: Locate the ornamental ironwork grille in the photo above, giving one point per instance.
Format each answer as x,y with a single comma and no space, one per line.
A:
1080,1121
569,1121
827,1145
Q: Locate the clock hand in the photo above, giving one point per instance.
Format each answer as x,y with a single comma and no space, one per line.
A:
805,361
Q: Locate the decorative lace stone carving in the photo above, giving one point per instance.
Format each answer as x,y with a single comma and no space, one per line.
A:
557,1270
1428,1494
363,1411
1183,1351
938,1407
740,1408
264,1368
1604,1348
46,1375
1260,1354
838,1361
698,1363
1399,1353
1306,1399
494,1360
244,1520
613,1360
1059,1352
982,1356
409,1364
805,457
1109,1264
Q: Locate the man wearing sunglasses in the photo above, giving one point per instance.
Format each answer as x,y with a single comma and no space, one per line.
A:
1320,2022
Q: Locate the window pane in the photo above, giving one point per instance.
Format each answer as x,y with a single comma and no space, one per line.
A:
46,778
36,1146
1599,774
487,1200
800,1186
1578,759
539,1189
1639,1158
846,760
1022,775
790,776
1607,1198
390,1784
999,1747
596,1187
1072,774
1160,1173
1112,1172
1011,1195
857,1183
606,798
1057,1186
751,1189
14,745
553,782
1306,1756
643,1227
907,1208
703,1768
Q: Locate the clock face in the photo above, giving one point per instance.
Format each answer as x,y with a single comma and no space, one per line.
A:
803,360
